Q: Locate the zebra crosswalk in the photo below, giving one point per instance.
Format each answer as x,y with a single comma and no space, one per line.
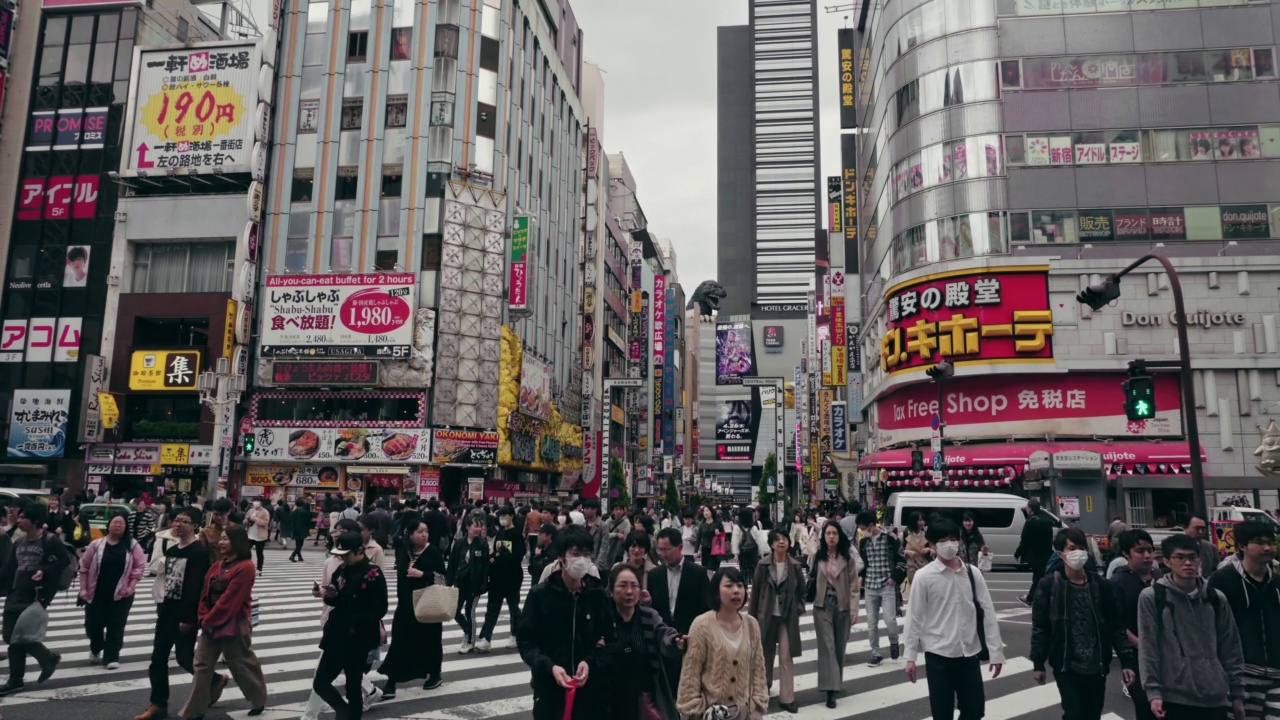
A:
489,686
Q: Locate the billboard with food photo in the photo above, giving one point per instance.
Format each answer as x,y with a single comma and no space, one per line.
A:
352,445
326,477
535,387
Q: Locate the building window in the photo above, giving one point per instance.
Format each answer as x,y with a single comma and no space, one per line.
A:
1167,68
391,185
308,115
352,113
386,260
357,46
183,27
447,41
195,267
401,39
397,111
346,187
431,251
302,186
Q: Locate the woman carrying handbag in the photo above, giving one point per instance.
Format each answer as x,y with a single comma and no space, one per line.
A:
417,648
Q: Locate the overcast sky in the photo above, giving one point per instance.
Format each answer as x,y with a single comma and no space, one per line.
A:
659,63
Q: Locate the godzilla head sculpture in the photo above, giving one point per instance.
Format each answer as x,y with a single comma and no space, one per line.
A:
707,297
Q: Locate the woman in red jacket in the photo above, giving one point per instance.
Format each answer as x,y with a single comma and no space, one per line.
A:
225,627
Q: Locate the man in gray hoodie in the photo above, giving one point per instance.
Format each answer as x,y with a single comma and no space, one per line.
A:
1189,651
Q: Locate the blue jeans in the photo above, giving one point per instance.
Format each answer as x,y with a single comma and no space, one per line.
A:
886,598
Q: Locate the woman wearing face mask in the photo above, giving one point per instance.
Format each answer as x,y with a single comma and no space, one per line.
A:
777,602
639,686
917,551
972,544
417,649
724,657
258,521
1075,626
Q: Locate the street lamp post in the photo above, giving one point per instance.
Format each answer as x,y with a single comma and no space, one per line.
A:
606,417
220,391
940,373
1101,294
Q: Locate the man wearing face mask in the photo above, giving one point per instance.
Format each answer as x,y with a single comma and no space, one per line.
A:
1075,626
258,523
942,621
505,576
563,631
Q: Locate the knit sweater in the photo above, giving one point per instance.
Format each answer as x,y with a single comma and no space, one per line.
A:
716,674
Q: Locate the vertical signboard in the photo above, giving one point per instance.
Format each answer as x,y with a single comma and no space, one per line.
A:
659,318
839,351
517,284
849,167
835,209
839,427
848,107
669,380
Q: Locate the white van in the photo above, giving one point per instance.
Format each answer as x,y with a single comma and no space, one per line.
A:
999,516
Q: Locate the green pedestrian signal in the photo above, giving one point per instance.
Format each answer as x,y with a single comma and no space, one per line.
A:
1140,397
248,443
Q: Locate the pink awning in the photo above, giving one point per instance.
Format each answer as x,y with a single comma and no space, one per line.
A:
1154,457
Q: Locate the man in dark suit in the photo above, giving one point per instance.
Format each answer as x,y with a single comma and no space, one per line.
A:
678,589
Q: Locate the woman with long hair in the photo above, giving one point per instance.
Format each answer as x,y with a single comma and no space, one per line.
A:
635,551
834,575
109,572
709,530
639,687
777,602
972,544
417,649
225,628
750,541
724,657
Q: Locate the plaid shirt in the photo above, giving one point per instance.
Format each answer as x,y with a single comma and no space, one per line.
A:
880,561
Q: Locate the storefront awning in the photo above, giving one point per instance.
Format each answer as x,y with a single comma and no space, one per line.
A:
1121,457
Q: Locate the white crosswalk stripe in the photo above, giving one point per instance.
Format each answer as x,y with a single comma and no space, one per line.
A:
476,686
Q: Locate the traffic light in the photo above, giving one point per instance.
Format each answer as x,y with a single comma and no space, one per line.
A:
917,461
248,443
1140,397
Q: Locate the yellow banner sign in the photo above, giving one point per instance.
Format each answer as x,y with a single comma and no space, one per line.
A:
175,454
229,330
164,370
110,411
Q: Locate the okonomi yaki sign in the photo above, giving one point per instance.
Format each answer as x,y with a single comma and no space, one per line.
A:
339,315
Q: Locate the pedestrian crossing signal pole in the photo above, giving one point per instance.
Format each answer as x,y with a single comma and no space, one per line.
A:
1104,293
940,373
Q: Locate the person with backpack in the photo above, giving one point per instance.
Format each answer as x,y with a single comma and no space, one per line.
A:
1129,580
748,538
1189,652
1075,626
39,565
1251,587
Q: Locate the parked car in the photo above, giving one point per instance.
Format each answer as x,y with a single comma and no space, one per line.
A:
999,516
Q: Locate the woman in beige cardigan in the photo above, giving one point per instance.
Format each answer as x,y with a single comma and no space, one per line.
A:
724,659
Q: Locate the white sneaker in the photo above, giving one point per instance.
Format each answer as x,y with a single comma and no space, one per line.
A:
372,698
510,642
95,658
482,645
113,665
465,648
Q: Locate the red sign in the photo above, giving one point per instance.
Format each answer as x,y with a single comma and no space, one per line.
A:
429,481
358,373
58,198
1001,314
1059,404
733,451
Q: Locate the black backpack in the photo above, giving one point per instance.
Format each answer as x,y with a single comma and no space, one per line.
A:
1162,601
54,544
748,547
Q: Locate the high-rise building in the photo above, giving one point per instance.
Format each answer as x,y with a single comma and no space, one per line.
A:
65,71
430,153
1011,154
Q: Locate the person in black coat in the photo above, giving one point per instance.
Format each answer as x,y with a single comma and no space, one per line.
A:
1035,547
505,576
544,554
300,521
1252,588
469,572
692,591
417,649
358,595
564,633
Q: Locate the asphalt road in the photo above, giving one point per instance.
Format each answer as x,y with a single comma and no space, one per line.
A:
484,686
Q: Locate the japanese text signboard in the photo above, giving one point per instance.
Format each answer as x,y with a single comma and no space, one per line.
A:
339,315
359,373
998,315
522,231
38,423
848,110
192,110
164,370
1000,406
659,318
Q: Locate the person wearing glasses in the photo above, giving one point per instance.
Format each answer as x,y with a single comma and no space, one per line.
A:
1249,583
1189,653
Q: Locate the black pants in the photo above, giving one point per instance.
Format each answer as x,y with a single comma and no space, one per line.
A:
104,622
532,542
18,653
510,592
258,547
952,682
1189,712
168,638
1082,695
709,561
297,547
465,617
1037,574
335,662
1141,703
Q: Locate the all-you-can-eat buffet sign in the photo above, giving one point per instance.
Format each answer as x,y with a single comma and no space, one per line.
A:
339,315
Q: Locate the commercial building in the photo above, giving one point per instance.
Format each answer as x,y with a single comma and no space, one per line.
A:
456,217
1013,153
65,73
